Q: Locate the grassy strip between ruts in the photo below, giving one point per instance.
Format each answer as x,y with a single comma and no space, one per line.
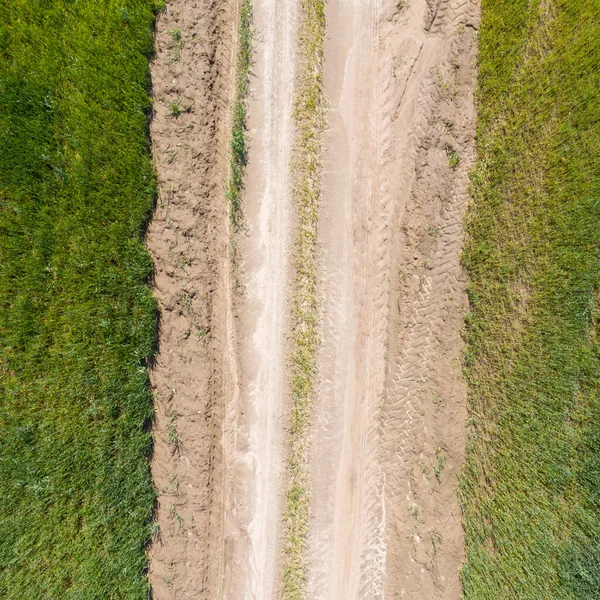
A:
309,118
238,145
77,319
531,485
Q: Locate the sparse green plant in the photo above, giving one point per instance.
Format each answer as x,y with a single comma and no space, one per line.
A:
436,541
176,45
415,511
173,436
446,82
440,463
201,331
186,301
238,145
438,401
155,531
176,35
453,157
175,108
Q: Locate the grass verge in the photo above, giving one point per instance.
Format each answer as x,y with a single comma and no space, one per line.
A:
238,145
531,484
77,320
309,118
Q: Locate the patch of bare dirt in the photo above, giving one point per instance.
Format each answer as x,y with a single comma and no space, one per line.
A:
189,241
388,433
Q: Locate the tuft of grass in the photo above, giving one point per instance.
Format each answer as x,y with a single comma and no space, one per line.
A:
177,44
309,117
77,319
453,157
175,108
530,488
238,145
176,36
440,463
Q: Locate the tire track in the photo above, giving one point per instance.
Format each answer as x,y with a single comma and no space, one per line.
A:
400,82
256,436
424,411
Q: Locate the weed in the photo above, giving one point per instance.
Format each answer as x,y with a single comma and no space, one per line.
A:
173,436
446,82
185,299
175,108
415,512
176,45
238,145
309,118
202,332
438,401
453,157
155,531
176,36
440,463
436,542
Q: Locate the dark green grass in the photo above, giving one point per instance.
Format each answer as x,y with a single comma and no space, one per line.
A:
531,484
77,320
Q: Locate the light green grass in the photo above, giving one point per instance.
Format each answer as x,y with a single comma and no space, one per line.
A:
531,484
77,319
309,117
238,145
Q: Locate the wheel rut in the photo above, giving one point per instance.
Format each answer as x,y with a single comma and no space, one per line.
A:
256,434
390,409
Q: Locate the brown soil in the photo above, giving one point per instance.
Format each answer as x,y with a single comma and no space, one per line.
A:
388,435
189,241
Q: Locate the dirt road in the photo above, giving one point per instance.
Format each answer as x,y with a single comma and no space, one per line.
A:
386,433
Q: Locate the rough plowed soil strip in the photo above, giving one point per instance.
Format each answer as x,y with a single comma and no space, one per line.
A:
257,447
189,241
389,416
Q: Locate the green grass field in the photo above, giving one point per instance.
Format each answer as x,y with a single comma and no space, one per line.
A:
77,320
531,485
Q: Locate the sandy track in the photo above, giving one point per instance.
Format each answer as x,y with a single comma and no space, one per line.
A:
257,446
388,429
